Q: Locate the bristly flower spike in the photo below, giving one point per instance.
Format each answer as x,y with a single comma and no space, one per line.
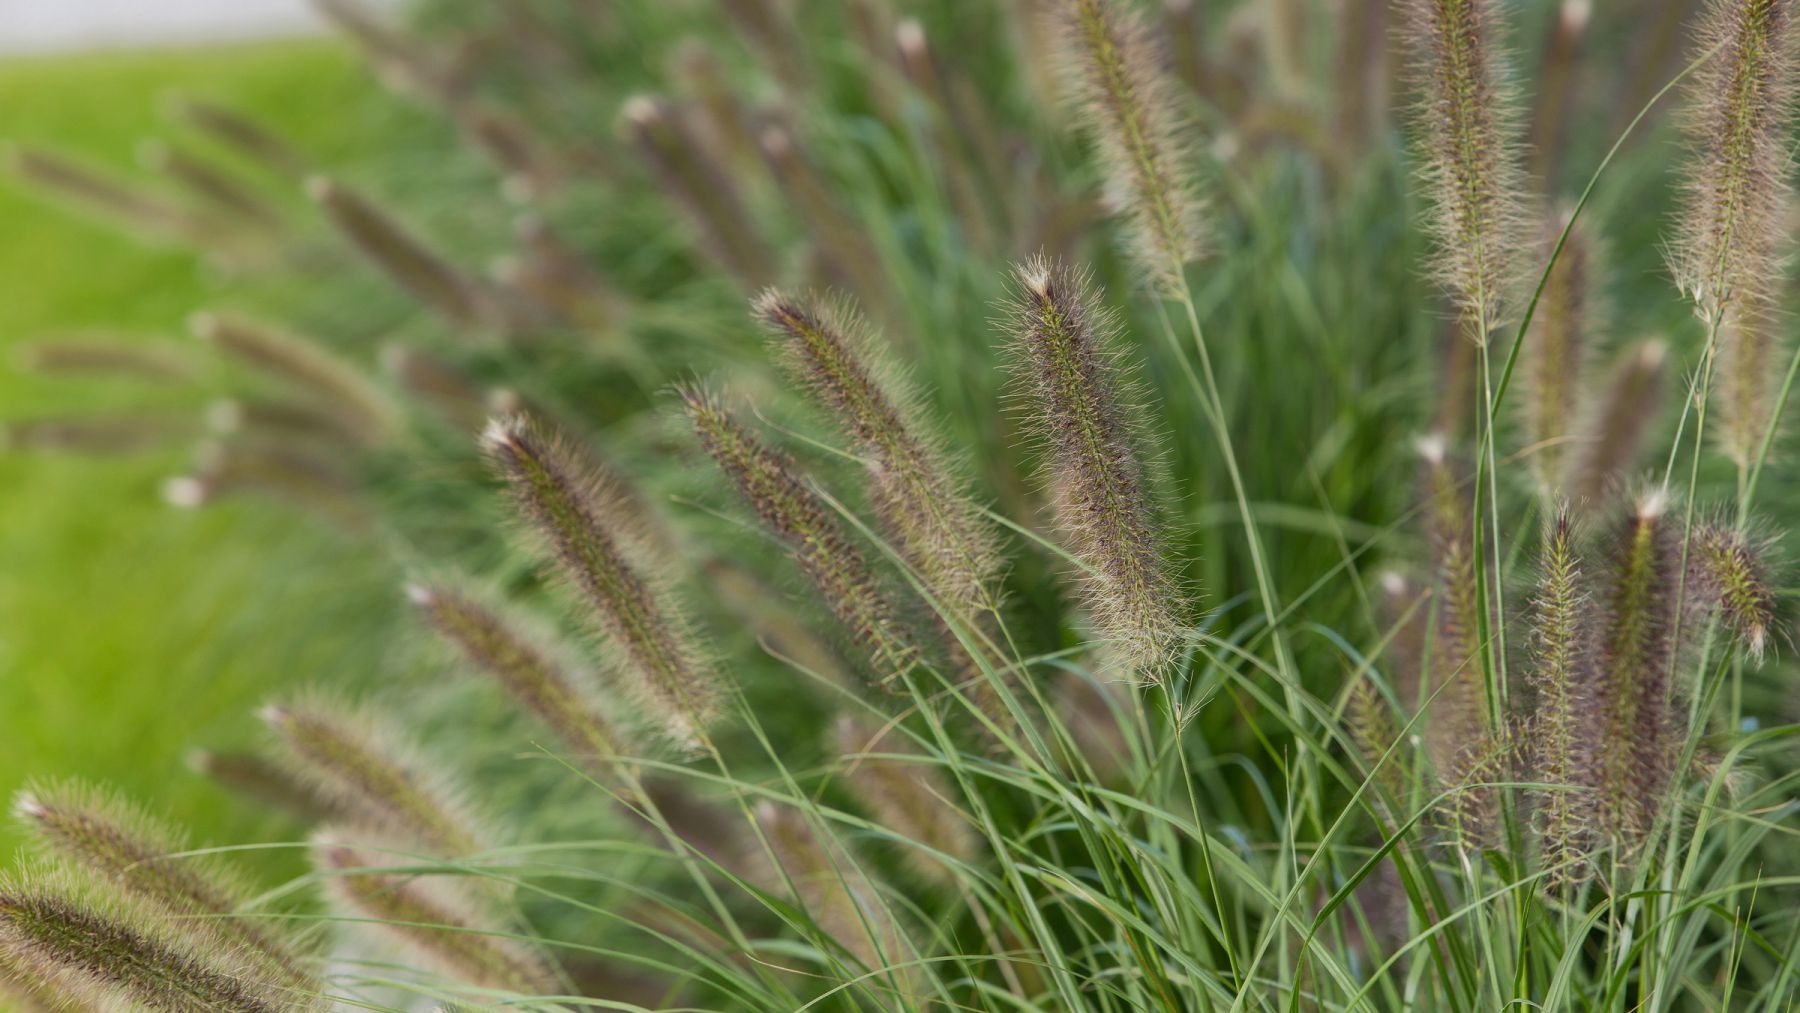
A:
770,482
1130,104
1731,231
939,529
404,258
67,937
303,364
1097,480
123,846
1557,350
364,767
586,523
1732,572
909,797
528,669
1562,727
434,916
1471,153
1637,720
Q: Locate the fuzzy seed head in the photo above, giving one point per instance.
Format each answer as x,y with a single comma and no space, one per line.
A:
829,882
588,526
1731,237
404,258
909,797
366,767
1129,103
121,845
535,674
770,481
1732,571
1470,149
434,917
938,528
1080,395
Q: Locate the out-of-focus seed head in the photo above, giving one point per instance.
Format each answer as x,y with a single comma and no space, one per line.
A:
367,767
1731,238
430,913
1130,104
1614,431
908,795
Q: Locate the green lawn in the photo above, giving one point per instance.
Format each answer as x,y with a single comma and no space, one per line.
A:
131,632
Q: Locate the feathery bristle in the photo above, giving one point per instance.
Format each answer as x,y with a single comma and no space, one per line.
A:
1637,719
1374,732
121,845
938,528
305,365
433,916
689,175
587,524
1470,153
1732,236
770,482
404,258
68,939
909,797
1563,674
1557,350
1132,110
836,893
367,768
1615,429
1097,480
531,672
1732,572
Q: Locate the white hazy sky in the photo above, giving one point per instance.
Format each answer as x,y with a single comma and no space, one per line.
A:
44,25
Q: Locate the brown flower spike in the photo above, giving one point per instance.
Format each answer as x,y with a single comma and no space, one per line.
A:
1097,479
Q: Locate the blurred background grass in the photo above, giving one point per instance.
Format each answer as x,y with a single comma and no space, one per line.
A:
112,605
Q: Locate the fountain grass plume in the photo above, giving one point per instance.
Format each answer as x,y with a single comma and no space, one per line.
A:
367,767
120,844
830,884
770,481
539,675
1466,114
241,133
1563,674
908,796
405,259
1637,720
65,936
1558,349
1129,102
1615,427
587,522
434,916
1731,235
923,502
1095,471
1460,725
303,364
104,355
1731,572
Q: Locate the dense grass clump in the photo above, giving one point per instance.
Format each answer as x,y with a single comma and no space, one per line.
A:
1236,651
